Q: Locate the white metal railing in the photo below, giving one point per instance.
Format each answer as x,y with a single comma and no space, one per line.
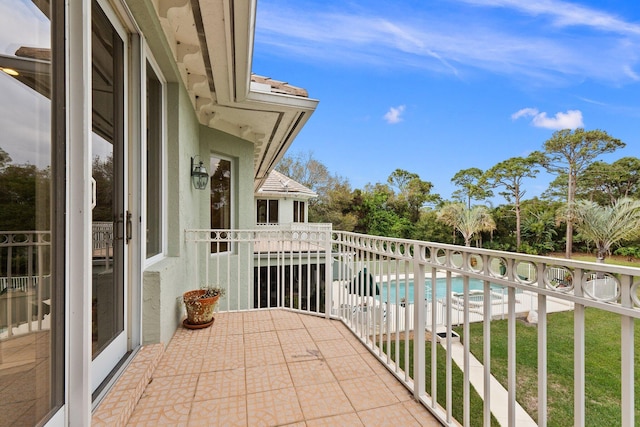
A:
24,281
349,276
299,226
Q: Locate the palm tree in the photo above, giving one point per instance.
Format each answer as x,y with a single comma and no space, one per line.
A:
608,225
467,221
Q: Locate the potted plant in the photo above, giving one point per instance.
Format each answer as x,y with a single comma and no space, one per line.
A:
200,304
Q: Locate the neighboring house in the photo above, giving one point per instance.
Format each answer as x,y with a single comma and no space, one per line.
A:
281,200
109,107
283,203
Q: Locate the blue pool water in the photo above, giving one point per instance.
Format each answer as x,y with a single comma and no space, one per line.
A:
441,288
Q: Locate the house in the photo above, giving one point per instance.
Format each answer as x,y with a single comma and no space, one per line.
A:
112,110
135,139
281,200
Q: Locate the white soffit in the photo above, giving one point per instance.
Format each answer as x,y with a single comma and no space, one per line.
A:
212,42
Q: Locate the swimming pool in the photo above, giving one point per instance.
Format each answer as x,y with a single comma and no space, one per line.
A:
441,288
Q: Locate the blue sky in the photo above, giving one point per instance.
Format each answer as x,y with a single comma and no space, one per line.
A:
436,86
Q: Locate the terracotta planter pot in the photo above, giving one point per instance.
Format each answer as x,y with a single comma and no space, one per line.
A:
199,310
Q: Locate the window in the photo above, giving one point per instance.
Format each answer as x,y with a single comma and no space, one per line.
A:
154,163
267,212
220,199
298,211
32,208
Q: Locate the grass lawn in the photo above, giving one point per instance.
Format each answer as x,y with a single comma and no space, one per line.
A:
602,349
612,259
457,379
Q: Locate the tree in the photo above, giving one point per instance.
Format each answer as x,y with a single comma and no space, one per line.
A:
538,228
412,193
473,187
338,208
313,174
570,152
4,158
605,183
509,174
22,189
467,221
608,225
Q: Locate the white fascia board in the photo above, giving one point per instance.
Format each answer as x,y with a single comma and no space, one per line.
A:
282,100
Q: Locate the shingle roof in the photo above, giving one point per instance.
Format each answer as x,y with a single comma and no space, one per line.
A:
281,184
280,87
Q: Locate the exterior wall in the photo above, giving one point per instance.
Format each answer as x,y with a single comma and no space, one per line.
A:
164,282
187,208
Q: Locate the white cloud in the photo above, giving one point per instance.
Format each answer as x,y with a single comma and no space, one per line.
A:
524,113
393,115
570,120
566,14
461,39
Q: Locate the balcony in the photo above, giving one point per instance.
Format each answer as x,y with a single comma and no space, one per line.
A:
380,289
349,303
266,367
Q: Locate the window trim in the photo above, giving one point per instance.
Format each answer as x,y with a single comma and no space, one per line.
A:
269,211
148,59
232,196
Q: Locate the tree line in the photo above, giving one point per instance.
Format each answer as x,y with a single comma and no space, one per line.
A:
590,206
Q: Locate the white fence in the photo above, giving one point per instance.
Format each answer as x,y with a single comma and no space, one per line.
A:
24,281
343,275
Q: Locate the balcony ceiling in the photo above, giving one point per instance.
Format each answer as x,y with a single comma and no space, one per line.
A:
212,42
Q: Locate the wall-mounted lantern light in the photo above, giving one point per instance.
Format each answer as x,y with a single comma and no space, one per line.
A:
199,175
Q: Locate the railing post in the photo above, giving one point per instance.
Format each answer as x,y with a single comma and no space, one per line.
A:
328,274
627,349
578,354
418,323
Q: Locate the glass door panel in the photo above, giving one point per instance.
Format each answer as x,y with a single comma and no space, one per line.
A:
31,285
108,215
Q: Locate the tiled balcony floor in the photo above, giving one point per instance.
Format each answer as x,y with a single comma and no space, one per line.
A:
268,368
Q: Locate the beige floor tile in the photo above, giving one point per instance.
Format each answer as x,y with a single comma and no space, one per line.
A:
375,364
232,359
294,336
324,333
263,356
220,384
272,367
366,393
164,390
261,339
181,366
285,316
349,367
256,316
171,415
335,348
265,378
258,326
344,420
421,414
301,352
323,400
272,409
225,412
310,372
389,416
399,391
315,321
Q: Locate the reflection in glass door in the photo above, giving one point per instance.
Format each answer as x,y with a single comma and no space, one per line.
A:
109,220
32,200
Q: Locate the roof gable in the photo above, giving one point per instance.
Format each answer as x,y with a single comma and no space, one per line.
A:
279,184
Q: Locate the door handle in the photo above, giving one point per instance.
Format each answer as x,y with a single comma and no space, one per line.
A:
125,220
93,193
128,228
